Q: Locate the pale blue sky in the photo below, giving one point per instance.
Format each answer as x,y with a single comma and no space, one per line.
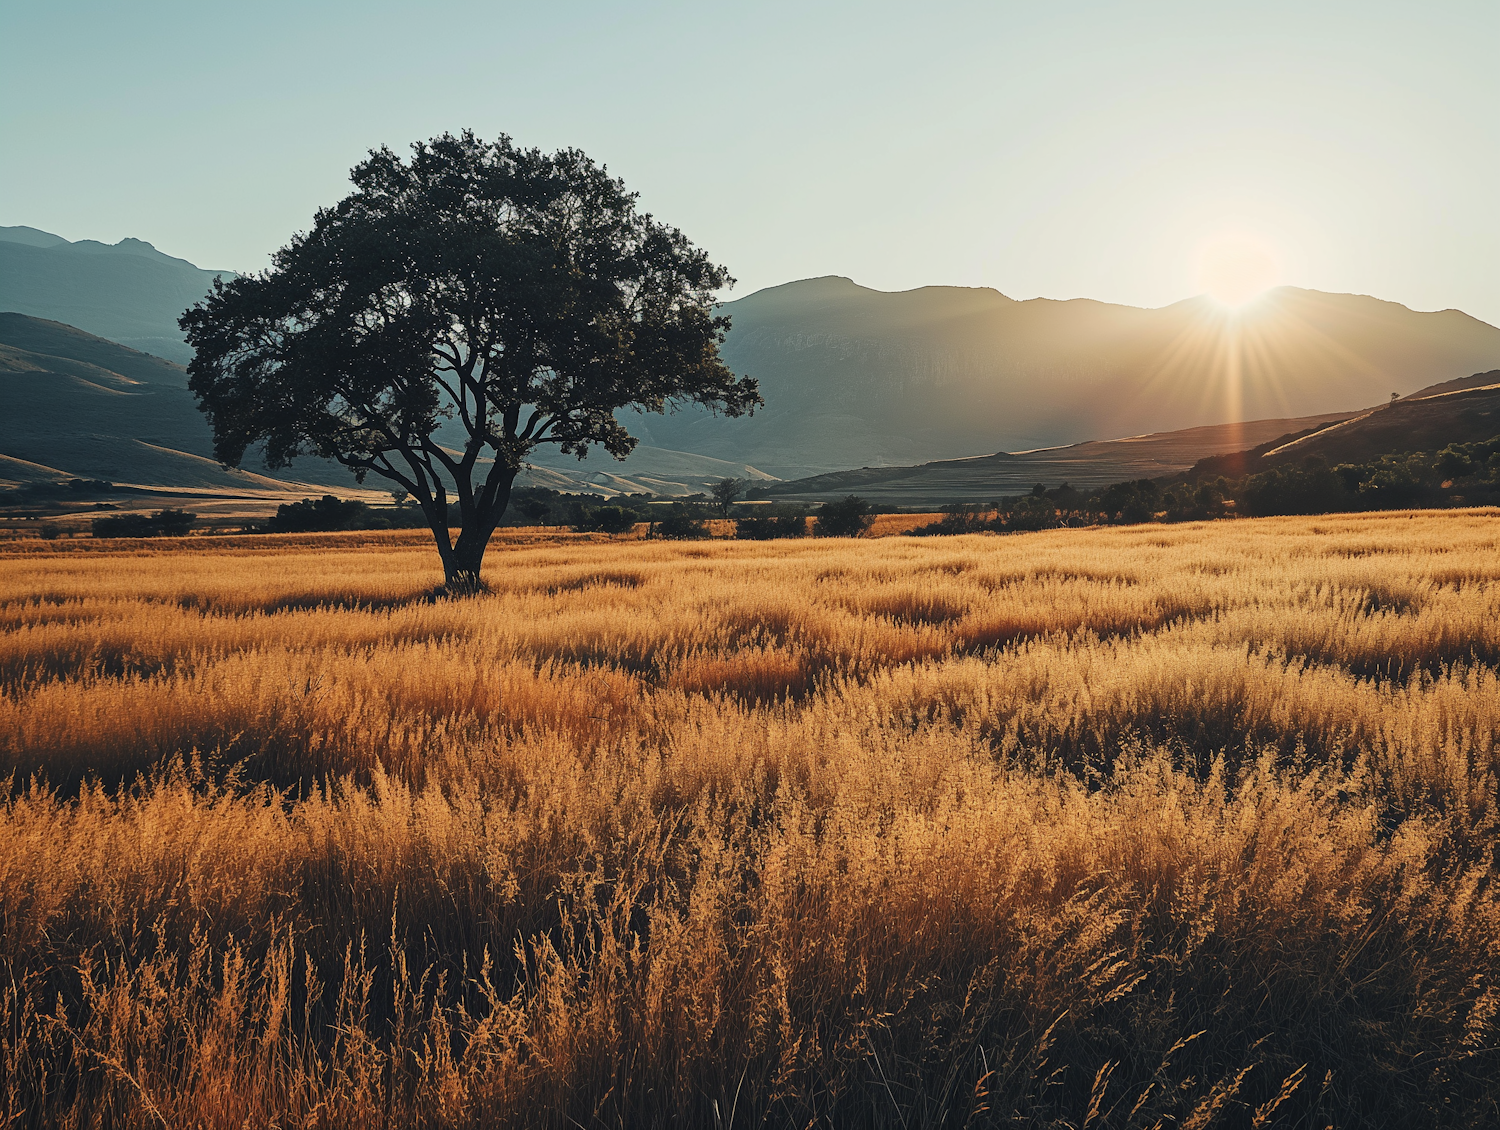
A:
1048,148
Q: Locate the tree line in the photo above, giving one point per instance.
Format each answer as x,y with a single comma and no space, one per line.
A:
1459,475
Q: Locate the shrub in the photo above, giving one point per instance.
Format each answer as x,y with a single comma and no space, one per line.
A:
311,516
606,520
849,517
1130,502
1311,488
756,528
164,523
679,522
1024,515
965,518
765,527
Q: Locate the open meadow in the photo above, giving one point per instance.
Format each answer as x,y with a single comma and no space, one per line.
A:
1156,826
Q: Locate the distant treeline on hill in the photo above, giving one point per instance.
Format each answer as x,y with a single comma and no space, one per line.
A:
1466,474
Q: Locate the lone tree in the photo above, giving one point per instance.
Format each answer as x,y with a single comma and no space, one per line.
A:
725,491
454,312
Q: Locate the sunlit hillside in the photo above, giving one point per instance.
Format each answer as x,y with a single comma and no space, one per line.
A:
1133,827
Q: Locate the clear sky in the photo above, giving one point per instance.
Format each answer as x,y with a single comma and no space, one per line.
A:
1065,149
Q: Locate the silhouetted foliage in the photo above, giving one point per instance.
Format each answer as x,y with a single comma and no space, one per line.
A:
518,294
680,521
607,520
1130,502
164,523
849,517
533,507
961,518
766,527
317,515
1187,502
1035,511
1311,488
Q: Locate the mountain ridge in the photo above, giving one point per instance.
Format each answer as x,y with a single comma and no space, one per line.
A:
127,292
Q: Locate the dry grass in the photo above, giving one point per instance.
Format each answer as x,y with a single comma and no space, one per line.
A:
1132,827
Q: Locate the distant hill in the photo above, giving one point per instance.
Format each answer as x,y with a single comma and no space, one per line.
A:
128,292
854,376
986,478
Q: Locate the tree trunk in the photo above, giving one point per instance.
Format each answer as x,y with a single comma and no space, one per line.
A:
462,563
463,558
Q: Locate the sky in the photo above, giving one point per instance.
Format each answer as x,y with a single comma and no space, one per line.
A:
1129,152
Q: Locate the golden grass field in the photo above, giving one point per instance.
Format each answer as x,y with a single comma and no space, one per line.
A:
1135,827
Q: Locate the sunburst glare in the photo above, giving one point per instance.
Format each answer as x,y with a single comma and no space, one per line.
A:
1236,267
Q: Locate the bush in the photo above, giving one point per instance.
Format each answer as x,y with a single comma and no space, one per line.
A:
1130,502
849,517
965,518
765,527
310,516
606,520
679,522
755,528
768,524
164,523
1026,515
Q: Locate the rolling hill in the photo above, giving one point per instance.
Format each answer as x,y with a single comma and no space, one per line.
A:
1464,410
985,478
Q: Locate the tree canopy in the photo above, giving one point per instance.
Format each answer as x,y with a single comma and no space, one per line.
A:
457,309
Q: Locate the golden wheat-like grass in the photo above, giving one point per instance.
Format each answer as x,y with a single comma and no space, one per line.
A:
1149,826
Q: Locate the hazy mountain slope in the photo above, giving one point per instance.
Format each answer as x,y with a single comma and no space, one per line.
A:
32,237
54,339
854,376
128,292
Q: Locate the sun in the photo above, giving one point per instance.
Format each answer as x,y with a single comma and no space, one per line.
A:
1235,267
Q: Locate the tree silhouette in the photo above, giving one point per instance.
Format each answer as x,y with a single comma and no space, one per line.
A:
725,491
455,311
